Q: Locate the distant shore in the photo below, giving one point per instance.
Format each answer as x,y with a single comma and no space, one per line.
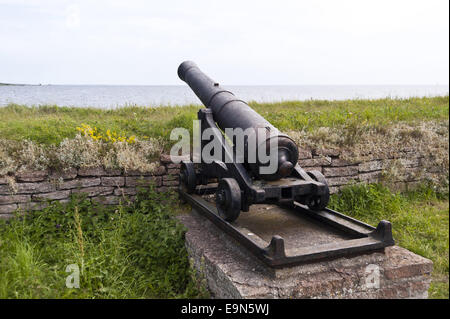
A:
18,84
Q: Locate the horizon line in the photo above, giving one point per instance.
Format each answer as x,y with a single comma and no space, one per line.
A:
101,84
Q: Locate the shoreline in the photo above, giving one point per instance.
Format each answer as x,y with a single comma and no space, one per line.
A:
200,105
118,96
20,84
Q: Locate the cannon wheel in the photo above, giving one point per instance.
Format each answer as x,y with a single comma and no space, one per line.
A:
228,199
321,201
188,178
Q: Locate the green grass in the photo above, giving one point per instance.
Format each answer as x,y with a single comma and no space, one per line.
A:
420,222
135,251
138,251
50,124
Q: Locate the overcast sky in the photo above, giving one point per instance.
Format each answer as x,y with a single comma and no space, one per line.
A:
235,42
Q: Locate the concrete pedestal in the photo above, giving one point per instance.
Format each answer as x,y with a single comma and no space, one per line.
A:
232,272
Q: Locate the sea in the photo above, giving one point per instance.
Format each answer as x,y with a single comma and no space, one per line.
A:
113,96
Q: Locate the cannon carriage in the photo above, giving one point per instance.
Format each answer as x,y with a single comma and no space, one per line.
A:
262,168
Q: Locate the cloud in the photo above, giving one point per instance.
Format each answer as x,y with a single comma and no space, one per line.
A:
241,42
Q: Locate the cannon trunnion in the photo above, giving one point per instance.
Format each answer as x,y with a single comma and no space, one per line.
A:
239,180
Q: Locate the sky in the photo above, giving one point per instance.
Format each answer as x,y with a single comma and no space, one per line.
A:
142,42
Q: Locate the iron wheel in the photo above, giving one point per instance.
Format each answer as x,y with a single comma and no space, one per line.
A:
228,199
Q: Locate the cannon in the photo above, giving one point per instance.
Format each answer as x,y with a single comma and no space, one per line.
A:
241,181
238,175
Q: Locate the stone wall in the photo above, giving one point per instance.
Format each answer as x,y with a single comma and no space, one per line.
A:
27,191
401,170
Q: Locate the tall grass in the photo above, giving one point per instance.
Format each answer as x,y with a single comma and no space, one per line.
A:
420,221
134,251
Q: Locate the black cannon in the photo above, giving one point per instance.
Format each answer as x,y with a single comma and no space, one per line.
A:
242,182
237,177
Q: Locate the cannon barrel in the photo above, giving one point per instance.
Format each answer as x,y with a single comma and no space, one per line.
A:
231,112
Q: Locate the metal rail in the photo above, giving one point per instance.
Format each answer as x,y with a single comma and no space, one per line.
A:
363,238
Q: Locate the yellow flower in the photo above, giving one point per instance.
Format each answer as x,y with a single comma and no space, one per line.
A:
109,136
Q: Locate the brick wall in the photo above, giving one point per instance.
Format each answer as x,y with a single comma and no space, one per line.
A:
32,190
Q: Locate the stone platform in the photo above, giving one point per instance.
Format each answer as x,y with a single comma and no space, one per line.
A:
232,272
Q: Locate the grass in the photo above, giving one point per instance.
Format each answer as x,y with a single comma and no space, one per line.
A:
137,250
420,222
134,251
51,124
33,138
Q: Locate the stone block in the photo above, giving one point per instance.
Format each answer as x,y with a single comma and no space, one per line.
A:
80,182
52,195
91,171
304,154
95,191
173,171
113,181
340,171
319,161
370,166
69,173
31,176
12,199
170,177
343,180
5,190
171,183
34,188
143,181
8,208
342,162
137,173
161,170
